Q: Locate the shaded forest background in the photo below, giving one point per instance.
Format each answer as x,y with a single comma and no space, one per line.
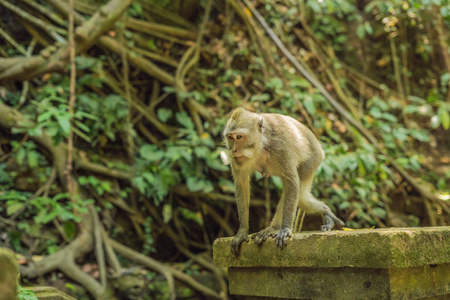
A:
145,193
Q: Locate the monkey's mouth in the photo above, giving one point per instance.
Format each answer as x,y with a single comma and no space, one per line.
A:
240,158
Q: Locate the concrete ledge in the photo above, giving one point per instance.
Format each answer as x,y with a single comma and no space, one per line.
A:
397,263
375,248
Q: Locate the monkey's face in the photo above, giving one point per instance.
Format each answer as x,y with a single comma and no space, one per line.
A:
243,136
241,146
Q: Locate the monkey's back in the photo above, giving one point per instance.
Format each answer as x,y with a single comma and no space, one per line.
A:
290,137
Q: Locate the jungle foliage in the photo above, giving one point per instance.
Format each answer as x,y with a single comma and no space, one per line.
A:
155,81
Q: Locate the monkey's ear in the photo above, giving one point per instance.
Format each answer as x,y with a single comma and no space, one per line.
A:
261,124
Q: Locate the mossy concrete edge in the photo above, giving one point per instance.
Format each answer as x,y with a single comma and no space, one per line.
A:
374,248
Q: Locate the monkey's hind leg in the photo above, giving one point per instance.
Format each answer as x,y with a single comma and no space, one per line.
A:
311,205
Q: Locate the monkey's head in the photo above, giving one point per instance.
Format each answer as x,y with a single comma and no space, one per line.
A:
243,136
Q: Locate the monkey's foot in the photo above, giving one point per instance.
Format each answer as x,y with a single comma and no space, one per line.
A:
261,236
330,220
281,236
241,235
326,227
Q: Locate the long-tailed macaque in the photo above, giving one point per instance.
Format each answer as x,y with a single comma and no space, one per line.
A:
281,146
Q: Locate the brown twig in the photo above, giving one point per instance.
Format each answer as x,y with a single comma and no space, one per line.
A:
99,245
73,75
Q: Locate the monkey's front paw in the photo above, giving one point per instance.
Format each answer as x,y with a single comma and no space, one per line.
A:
261,236
281,236
237,240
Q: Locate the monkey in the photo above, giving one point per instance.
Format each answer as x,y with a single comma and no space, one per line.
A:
281,146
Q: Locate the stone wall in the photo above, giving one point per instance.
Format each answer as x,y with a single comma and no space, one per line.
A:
397,263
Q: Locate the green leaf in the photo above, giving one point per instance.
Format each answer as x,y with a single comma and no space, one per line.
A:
360,31
70,229
384,126
403,161
52,249
32,158
215,163
140,184
300,82
83,180
421,135
83,126
20,156
209,187
84,62
416,99
106,186
52,215
400,134
362,192
52,129
15,238
44,116
190,215
277,182
151,153
82,114
184,120
64,122
379,212
149,177
226,185
368,28
12,207
164,114
274,83
445,78
344,205
410,109
167,213
309,104
201,152
389,117
362,168
152,46
24,226
444,117
26,294
195,184
260,97
375,112
82,135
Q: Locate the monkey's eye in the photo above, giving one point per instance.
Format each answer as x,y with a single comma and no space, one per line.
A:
238,137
